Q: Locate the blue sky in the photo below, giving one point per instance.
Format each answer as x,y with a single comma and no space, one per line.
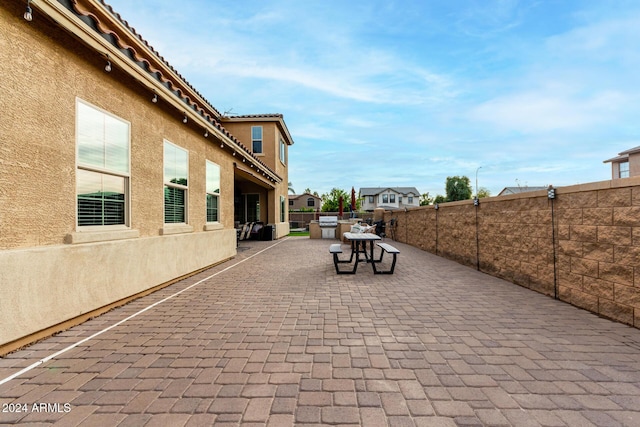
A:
406,93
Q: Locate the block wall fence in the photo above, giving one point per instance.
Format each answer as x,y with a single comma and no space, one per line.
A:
583,247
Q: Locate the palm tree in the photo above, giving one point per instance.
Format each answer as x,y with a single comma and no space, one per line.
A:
291,190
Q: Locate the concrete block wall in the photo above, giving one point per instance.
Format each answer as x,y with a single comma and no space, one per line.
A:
583,247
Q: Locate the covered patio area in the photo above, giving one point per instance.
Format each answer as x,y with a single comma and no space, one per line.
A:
275,338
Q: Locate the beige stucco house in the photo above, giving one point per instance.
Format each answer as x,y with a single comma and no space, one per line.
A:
305,201
625,164
389,198
116,175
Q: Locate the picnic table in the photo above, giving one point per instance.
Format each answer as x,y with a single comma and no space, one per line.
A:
359,240
359,246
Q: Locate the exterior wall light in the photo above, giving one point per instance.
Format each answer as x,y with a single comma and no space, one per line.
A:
155,98
107,67
185,120
206,133
28,14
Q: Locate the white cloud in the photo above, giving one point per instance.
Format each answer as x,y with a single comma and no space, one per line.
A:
544,111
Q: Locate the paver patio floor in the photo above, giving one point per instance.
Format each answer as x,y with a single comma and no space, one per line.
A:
274,337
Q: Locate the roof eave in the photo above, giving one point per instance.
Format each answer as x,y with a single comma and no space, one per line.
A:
159,77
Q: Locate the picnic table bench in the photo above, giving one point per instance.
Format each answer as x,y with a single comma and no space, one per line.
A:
390,250
358,241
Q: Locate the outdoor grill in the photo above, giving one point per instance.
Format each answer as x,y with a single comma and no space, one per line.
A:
328,225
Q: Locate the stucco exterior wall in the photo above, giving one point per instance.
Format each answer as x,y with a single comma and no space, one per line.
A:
270,202
50,269
586,250
48,285
634,164
38,152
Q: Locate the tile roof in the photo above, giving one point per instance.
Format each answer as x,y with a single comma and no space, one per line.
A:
374,191
623,155
631,150
297,196
100,17
517,190
279,118
617,159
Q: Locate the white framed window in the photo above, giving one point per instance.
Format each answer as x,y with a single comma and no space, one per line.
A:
213,192
283,152
385,198
256,139
624,169
103,168
371,199
392,198
176,183
410,200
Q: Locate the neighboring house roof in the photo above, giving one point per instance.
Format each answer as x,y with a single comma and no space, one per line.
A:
623,155
517,190
374,191
631,151
617,159
297,196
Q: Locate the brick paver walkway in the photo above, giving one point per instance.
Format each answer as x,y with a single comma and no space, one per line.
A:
281,340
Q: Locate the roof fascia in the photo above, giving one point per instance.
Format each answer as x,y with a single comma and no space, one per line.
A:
278,119
108,23
617,159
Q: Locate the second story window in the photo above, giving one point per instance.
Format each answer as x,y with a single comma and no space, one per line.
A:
624,169
311,202
392,198
385,198
283,155
256,139
176,171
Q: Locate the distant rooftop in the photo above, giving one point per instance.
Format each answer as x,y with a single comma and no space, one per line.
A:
623,155
518,190
374,191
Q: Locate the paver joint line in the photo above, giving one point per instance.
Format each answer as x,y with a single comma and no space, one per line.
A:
281,341
115,325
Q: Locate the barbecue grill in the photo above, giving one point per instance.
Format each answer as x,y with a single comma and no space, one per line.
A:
328,225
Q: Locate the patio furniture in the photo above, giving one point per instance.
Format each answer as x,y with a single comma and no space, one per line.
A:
359,240
245,230
359,245
336,249
385,247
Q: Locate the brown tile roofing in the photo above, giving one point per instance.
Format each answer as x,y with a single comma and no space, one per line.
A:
152,62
